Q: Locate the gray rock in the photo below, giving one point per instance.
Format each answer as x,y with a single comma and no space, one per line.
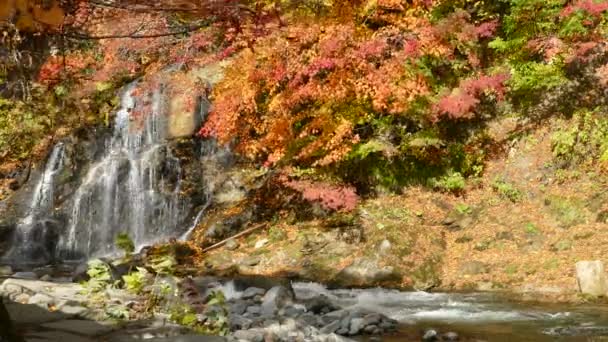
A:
292,311
25,275
54,336
450,336
430,335
275,299
250,261
371,329
187,338
365,272
591,278
32,314
249,335
318,304
231,245
372,319
252,292
342,331
5,271
331,327
46,277
254,310
239,322
238,308
473,267
356,325
82,327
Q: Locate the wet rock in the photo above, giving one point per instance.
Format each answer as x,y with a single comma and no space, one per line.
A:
371,329
292,311
473,268
356,325
231,245
430,335
318,304
252,292
591,278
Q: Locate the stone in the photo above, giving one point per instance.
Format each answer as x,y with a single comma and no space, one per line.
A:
54,336
591,278
32,314
371,329
318,304
254,310
291,311
275,299
25,275
187,338
41,300
82,327
249,335
46,277
239,322
372,319
365,272
5,271
430,335
238,308
260,243
384,247
331,327
473,268
231,245
251,261
251,292
356,325
504,235
450,336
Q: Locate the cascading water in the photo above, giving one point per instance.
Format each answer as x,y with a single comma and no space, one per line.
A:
133,188
31,231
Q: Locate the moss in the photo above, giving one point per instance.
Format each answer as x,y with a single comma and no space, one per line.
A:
426,276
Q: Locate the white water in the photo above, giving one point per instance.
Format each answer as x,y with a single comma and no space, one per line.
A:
27,239
413,307
125,190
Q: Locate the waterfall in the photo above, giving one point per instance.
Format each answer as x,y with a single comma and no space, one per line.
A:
31,232
133,187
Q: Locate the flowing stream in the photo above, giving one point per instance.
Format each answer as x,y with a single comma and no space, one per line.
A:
474,316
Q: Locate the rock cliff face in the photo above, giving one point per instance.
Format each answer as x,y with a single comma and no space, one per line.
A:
146,175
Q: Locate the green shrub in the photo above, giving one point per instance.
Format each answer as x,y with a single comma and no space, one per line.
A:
125,243
452,182
507,190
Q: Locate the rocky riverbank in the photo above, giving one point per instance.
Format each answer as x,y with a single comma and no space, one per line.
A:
49,311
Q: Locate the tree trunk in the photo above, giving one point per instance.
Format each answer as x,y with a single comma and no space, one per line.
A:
7,332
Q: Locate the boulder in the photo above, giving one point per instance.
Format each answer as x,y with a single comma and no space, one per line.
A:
591,278
365,272
275,299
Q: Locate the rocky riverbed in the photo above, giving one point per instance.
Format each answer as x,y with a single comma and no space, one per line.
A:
54,310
